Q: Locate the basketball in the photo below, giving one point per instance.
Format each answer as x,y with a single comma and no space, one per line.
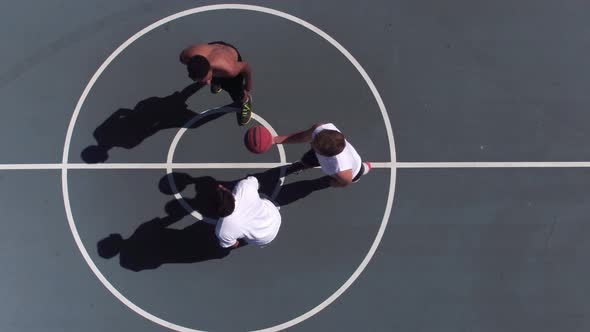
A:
258,139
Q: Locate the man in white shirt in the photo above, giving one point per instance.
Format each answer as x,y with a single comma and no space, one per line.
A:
244,215
331,151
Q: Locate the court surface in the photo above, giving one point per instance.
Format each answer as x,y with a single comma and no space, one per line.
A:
474,218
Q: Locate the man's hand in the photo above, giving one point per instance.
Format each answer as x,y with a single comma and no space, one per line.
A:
245,69
298,137
183,57
246,95
341,179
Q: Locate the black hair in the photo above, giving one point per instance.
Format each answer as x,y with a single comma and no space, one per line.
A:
224,203
198,66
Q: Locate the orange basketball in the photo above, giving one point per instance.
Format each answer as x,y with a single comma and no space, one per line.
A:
258,139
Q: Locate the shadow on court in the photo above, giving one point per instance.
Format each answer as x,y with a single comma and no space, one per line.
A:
127,128
153,243
268,180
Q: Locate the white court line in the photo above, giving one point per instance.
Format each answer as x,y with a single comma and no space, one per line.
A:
508,164
129,166
170,163
176,166
391,166
8,167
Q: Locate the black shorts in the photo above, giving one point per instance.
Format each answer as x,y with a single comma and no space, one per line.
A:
235,85
310,159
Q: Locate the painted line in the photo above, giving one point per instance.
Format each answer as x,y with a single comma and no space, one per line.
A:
177,166
121,48
226,165
561,164
117,166
376,164
170,157
8,167
131,166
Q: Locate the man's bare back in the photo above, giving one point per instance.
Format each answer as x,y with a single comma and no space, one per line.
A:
220,65
222,58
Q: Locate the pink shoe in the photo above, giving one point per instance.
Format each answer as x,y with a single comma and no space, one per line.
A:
367,167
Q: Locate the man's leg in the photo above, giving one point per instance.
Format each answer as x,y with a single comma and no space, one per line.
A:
235,88
308,160
365,168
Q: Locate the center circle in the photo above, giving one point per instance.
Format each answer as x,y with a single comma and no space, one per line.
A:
174,144
390,139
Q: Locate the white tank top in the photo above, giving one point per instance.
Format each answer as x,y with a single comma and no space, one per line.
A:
347,159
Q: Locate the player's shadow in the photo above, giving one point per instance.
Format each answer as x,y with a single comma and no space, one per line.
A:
154,243
291,192
268,181
205,188
127,128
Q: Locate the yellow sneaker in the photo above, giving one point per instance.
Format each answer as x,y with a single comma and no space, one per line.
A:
245,114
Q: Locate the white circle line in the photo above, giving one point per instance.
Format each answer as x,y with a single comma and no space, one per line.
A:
165,20
182,131
282,155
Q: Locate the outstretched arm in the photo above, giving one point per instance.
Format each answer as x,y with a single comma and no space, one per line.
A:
297,137
341,179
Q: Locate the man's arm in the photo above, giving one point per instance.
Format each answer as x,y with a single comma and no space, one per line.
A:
244,68
341,179
298,137
236,69
226,241
183,57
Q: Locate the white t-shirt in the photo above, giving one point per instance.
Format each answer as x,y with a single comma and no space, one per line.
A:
347,159
255,219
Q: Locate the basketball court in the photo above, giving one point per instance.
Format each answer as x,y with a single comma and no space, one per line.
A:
473,218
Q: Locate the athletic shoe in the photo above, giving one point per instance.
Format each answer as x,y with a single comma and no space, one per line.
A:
215,88
366,167
296,167
245,114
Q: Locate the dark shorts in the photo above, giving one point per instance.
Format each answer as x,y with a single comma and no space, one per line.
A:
235,85
310,159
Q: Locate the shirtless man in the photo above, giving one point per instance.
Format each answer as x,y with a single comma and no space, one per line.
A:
220,65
